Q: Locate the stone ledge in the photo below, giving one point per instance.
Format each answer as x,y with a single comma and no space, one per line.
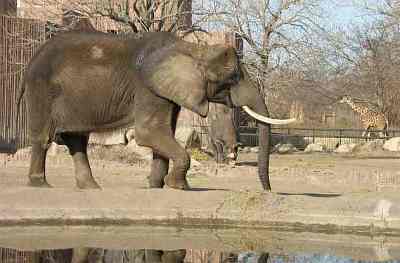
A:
375,213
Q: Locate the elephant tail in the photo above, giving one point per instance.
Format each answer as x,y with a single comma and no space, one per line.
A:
21,92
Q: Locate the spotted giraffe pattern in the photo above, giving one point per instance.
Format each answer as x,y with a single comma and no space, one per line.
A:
370,119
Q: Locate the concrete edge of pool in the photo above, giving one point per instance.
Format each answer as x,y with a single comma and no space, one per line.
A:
367,213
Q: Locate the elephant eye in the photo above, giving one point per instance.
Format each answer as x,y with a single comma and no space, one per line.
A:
232,80
235,78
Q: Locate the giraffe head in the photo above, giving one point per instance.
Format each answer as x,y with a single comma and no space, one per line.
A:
346,99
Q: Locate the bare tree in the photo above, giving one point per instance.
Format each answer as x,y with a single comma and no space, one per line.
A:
272,31
386,8
135,15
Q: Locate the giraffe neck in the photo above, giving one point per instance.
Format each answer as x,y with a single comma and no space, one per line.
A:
354,107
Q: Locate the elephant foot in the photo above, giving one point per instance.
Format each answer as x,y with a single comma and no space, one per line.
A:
156,183
87,183
175,183
38,181
174,255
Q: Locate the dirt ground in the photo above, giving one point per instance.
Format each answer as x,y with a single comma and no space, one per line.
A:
317,173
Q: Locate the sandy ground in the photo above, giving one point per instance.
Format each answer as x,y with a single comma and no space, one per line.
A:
318,173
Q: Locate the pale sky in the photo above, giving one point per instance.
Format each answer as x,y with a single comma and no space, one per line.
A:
343,13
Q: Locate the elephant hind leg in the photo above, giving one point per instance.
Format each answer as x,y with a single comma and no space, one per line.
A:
37,176
77,146
41,128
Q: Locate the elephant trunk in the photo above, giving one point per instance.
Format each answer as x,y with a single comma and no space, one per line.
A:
247,96
264,141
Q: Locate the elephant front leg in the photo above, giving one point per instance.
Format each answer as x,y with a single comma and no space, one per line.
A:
164,145
159,169
155,123
77,146
160,165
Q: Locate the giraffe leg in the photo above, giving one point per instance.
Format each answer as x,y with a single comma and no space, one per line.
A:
364,133
368,132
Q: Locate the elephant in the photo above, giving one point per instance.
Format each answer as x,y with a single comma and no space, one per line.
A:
222,133
82,82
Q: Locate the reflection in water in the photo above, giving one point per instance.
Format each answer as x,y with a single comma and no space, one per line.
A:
98,255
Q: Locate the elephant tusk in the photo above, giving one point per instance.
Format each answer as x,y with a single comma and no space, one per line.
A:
262,118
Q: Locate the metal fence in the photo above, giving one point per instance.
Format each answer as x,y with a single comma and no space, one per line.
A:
300,137
19,39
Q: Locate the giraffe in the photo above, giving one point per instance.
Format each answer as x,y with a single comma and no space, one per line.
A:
370,119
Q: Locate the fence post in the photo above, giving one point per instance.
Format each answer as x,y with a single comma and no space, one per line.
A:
313,135
340,136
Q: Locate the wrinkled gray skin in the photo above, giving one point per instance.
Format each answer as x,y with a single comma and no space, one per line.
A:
78,83
222,133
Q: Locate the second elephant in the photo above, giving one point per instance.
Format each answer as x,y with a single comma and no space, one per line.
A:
222,134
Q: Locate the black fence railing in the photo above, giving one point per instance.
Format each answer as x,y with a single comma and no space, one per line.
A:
301,137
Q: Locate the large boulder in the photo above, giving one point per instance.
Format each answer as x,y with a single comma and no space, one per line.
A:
297,140
24,151
185,133
22,154
284,148
315,147
114,137
254,149
146,153
143,152
370,146
245,149
56,149
130,134
194,163
392,144
187,137
345,148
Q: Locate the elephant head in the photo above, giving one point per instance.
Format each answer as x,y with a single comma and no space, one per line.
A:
222,134
192,76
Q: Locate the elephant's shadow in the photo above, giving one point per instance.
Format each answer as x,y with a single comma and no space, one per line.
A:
247,163
203,189
323,195
196,189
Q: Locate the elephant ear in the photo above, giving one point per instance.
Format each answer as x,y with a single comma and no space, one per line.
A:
221,63
177,77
